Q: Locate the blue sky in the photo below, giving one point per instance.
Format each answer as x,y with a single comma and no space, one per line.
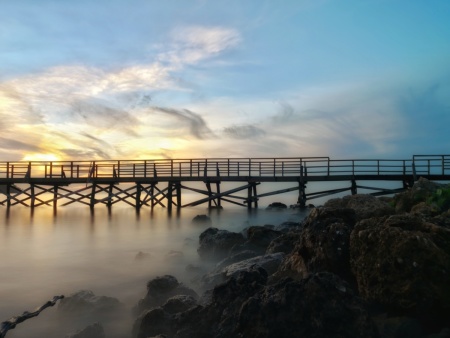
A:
114,79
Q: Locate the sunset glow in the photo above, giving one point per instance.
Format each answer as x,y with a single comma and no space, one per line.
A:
224,79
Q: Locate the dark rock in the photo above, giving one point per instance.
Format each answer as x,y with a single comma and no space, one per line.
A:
160,289
92,331
403,263
393,327
215,244
288,226
240,256
86,303
258,239
420,192
284,243
269,263
323,245
365,206
276,205
321,305
154,322
179,303
202,220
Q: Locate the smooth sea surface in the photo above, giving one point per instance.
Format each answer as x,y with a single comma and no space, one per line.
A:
43,255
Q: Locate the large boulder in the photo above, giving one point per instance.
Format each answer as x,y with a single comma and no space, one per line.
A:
365,206
403,263
323,245
321,305
269,263
215,244
421,191
160,289
258,239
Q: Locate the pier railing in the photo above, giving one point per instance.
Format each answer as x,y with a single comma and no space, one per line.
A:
226,167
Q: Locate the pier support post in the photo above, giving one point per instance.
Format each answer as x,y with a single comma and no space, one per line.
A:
219,199
301,194
55,199
208,187
92,202
178,192
8,195
138,197
33,197
354,188
169,197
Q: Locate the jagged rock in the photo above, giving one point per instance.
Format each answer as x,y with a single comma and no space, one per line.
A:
92,331
365,206
215,244
160,289
86,303
420,192
403,263
284,243
240,256
288,226
179,303
321,305
154,322
323,245
258,239
269,263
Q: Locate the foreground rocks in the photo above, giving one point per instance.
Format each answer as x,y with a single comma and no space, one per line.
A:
357,267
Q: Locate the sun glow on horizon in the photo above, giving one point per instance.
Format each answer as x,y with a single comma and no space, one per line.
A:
41,157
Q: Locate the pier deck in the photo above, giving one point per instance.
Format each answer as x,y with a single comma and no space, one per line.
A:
160,182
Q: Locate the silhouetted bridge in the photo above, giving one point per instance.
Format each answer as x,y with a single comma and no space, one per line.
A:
160,182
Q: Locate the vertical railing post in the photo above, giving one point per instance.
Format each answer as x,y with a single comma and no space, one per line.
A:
442,163
7,169
51,169
328,172
378,167
190,168
249,167
228,167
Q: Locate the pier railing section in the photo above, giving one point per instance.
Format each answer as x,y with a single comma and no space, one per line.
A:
222,167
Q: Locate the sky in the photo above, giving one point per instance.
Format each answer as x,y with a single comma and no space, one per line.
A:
147,79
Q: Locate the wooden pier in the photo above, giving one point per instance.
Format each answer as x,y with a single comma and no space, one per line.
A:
152,183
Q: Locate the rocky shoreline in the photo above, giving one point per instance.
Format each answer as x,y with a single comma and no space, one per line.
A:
359,266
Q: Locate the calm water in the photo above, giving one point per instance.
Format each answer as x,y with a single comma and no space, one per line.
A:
43,255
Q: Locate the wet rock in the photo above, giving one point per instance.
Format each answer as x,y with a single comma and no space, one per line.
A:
269,263
154,322
284,243
202,220
420,192
323,245
276,205
215,244
240,256
86,303
365,206
179,303
321,305
393,327
288,226
258,239
403,263
92,331
160,289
